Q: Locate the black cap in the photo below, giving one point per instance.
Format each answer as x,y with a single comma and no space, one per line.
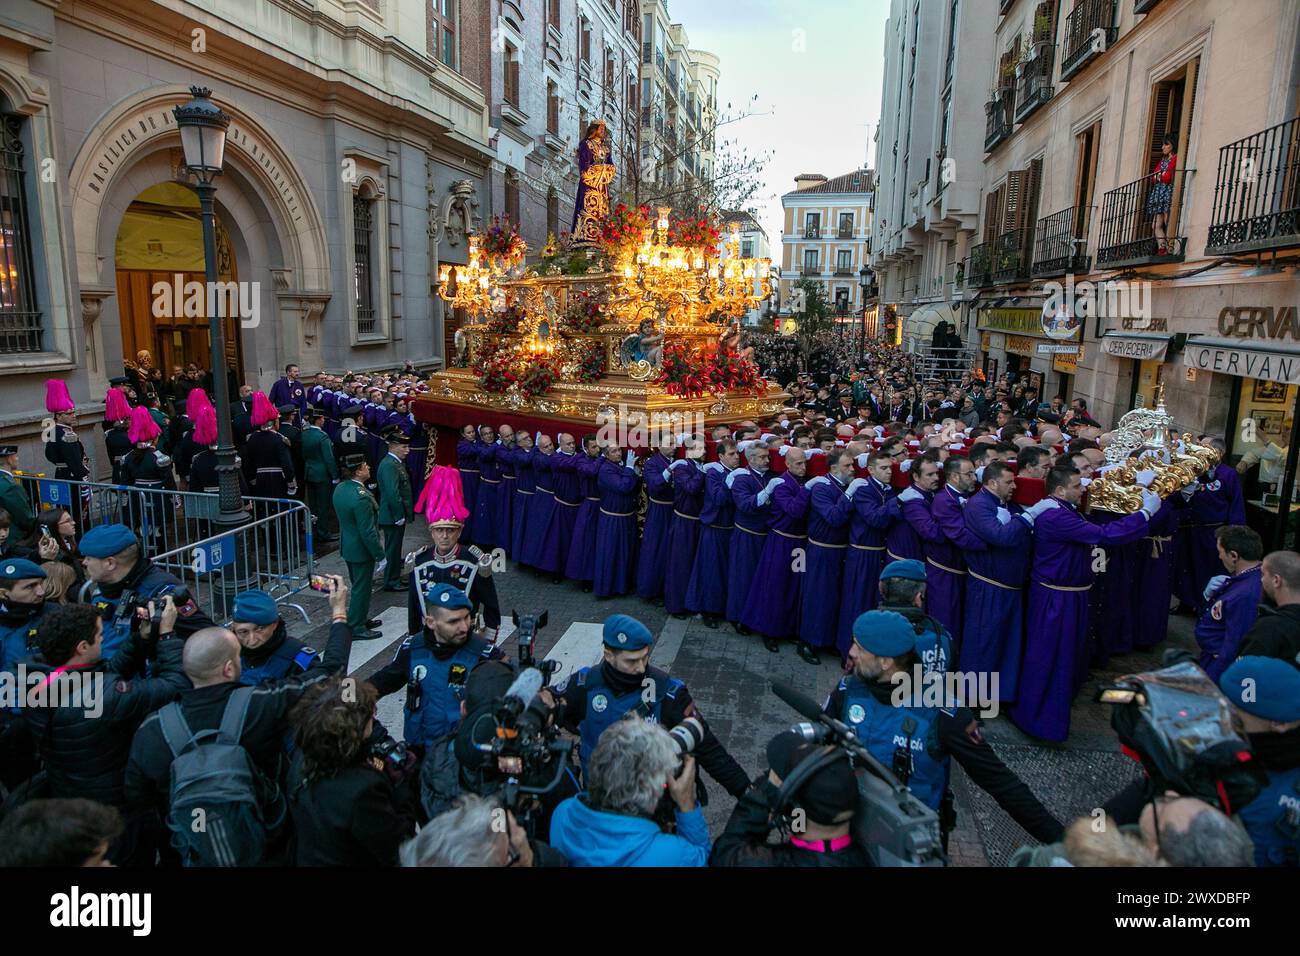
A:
7,450
829,793
394,435
1048,417
288,408
119,380
353,462
314,411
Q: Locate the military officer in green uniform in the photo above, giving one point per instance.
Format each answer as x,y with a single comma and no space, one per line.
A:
396,504
321,472
356,509
13,499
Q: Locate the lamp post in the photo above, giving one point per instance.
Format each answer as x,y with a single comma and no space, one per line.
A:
865,279
203,138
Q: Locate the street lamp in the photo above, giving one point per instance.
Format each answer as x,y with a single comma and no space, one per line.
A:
203,138
865,280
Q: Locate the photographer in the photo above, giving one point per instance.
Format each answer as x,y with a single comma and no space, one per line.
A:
471,834
124,580
268,652
595,698
350,806
84,743
612,823
816,816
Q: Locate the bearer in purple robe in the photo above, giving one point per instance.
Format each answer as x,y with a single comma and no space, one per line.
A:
904,541
1056,625
542,505
829,511
619,487
658,521
993,628
521,459
772,607
684,530
505,510
874,510
1153,580
751,493
289,391
582,549
946,568
489,480
467,449
558,537
707,592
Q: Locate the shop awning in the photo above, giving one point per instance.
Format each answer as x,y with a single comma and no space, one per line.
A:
1135,345
919,326
1271,362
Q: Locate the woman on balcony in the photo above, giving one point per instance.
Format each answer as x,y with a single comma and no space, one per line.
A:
1160,195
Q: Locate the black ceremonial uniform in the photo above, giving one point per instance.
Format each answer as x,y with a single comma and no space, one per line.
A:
467,568
293,435
117,442
68,456
268,464
150,468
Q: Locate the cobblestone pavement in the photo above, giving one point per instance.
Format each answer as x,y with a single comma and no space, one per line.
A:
729,675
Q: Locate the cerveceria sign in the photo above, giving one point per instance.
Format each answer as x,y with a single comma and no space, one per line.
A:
1260,322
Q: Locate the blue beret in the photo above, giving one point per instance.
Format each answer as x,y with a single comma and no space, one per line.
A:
1263,686
909,569
884,633
255,607
447,596
625,633
19,569
106,540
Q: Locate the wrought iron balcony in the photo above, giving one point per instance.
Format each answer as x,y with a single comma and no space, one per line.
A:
1257,193
998,124
1035,85
659,62
1127,234
979,266
1011,256
1060,244
810,269
1080,44
844,233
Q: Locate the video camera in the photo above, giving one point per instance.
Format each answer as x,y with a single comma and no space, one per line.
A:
527,627
891,825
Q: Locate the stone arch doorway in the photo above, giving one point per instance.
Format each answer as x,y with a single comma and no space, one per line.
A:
157,253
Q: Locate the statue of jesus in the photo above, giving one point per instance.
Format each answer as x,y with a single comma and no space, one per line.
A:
595,173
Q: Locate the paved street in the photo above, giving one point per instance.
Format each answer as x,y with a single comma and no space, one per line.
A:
728,675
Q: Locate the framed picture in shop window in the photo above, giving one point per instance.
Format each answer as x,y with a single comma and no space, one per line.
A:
1271,393
1271,424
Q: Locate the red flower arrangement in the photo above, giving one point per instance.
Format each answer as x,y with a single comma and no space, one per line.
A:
680,374
583,314
502,241
507,322
539,375
728,372
624,226
496,372
594,363
702,232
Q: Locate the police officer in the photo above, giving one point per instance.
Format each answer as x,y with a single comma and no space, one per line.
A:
1265,692
356,509
122,579
917,741
433,664
268,652
625,683
902,589
13,500
22,603
396,504
320,472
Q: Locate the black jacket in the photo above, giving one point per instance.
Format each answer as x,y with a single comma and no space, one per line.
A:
354,818
744,842
1275,633
86,756
148,771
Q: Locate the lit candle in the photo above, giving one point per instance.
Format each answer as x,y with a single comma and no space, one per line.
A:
444,274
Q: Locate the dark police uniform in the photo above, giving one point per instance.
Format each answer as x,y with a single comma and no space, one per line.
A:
13,500
933,642
281,656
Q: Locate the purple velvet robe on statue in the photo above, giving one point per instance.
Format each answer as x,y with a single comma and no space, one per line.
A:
993,629
772,607
1056,631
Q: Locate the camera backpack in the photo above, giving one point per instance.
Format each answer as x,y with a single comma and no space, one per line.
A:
222,809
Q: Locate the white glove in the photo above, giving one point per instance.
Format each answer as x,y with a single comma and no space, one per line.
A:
1215,582
1035,510
399,522
813,451
334,482
1144,478
1004,516
772,484
906,465
1085,482
1150,502
1029,518
668,474
862,460
379,567
854,485
631,459
537,438
680,462
879,430
979,473
1191,489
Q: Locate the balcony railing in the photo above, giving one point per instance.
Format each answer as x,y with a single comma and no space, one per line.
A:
998,124
1060,244
1127,234
659,62
1081,45
1035,85
844,233
1011,256
646,49
979,266
810,269
1257,192
812,232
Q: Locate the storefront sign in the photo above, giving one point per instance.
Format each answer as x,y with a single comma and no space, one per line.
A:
1053,348
1153,325
1020,345
1069,364
1247,362
996,340
1135,347
1257,322
1028,321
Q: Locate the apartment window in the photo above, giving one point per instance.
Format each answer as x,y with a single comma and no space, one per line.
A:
552,213
512,197
846,225
444,18
747,249
609,72
952,42
582,122
810,260
584,39
844,260
20,319
553,13
363,241
812,226
552,109
511,75
1085,177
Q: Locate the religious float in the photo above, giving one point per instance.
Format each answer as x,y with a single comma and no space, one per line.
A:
632,321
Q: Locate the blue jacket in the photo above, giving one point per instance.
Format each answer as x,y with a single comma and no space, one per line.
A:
590,837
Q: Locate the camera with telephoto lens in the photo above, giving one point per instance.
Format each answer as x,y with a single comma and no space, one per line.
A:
686,737
397,759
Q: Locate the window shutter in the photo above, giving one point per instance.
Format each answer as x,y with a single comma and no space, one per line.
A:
1161,100
1013,205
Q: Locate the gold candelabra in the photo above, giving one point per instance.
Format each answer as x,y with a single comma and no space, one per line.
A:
731,288
472,288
